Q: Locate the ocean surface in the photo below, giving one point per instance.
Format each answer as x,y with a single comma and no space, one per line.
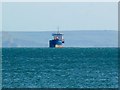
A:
60,67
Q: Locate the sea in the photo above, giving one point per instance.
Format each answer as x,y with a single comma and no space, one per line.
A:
59,67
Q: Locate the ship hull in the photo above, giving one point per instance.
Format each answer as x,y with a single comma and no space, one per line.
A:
55,43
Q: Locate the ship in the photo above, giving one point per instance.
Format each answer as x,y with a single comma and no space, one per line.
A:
57,41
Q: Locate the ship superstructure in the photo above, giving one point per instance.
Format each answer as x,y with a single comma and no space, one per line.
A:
57,40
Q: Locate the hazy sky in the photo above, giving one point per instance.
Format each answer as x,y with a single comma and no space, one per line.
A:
60,0
39,16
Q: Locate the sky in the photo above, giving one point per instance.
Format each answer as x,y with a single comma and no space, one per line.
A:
60,0
47,16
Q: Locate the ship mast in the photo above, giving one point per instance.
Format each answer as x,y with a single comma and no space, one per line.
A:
58,30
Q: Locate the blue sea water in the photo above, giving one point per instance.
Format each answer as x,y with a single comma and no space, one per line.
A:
60,67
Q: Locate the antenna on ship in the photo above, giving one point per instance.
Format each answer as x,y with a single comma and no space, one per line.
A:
58,30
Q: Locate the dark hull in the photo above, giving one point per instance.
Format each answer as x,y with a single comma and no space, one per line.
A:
55,43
